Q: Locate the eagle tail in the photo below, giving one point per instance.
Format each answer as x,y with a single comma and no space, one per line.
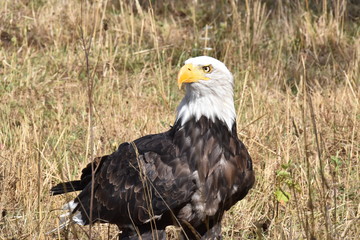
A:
71,216
67,187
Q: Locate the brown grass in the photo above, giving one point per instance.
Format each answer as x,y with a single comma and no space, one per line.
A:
296,65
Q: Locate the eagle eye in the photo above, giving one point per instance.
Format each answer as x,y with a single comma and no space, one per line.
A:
207,69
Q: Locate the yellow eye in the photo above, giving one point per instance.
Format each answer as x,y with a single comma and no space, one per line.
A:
207,69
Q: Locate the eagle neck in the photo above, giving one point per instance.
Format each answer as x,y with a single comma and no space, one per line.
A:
212,105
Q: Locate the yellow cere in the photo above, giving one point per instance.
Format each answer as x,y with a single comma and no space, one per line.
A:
190,73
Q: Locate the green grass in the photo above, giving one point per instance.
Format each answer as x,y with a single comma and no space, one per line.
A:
297,75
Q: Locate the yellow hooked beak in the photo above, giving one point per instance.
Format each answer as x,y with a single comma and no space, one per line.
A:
188,74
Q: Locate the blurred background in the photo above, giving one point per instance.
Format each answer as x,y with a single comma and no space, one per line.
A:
77,78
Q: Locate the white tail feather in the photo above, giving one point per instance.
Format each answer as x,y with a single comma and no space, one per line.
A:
77,218
69,206
69,217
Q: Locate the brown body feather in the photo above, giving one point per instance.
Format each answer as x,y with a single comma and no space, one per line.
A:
188,175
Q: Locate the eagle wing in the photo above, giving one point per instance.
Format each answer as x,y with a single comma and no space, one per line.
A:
140,181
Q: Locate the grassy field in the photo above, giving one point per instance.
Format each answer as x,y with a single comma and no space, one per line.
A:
296,65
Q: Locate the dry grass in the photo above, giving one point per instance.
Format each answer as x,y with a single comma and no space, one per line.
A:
296,65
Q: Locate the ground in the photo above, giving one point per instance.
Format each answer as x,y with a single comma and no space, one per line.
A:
297,78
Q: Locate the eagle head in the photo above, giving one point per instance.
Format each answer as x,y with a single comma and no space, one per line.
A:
205,71
209,91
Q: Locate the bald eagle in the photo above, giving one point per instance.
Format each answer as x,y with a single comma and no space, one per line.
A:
187,176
